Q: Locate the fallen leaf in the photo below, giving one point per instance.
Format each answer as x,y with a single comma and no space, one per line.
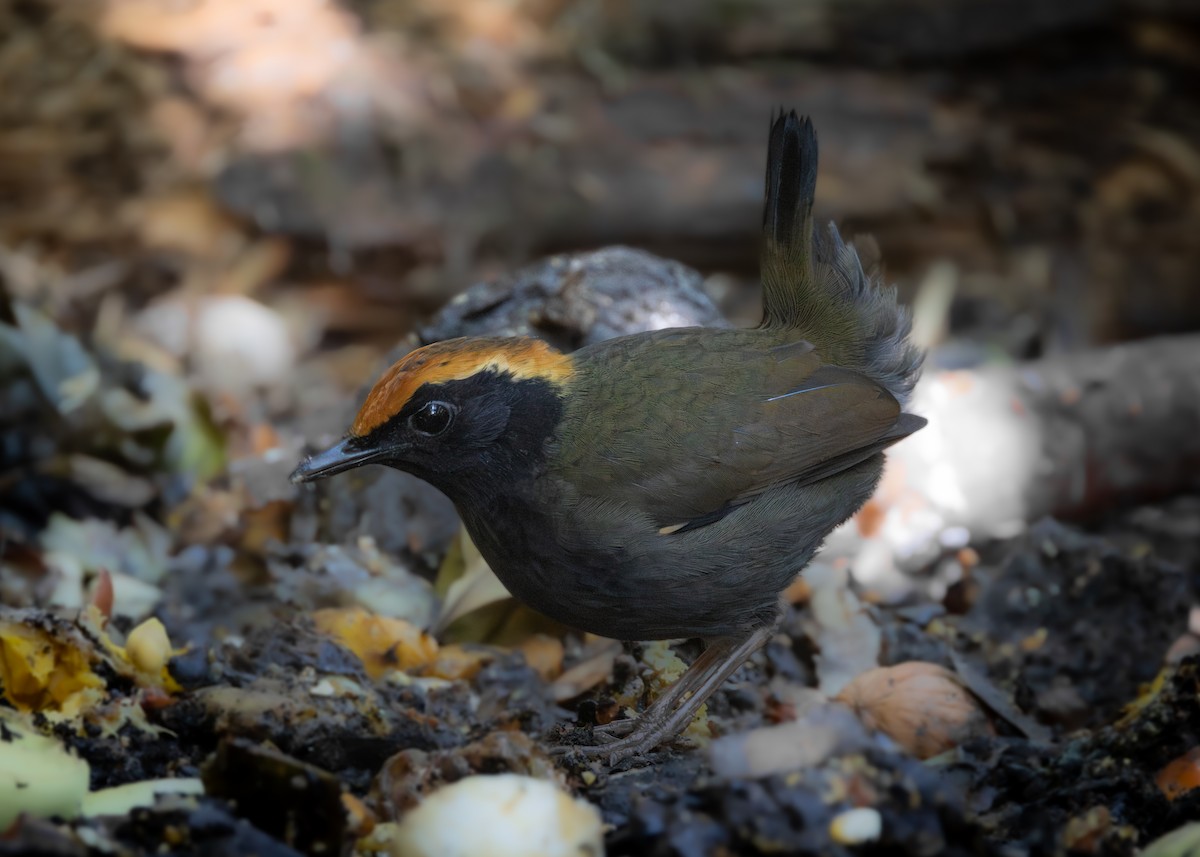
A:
595,668
60,365
544,653
47,668
466,583
1180,775
383,644
457,662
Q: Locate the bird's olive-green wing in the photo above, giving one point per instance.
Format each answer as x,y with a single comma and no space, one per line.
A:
686,423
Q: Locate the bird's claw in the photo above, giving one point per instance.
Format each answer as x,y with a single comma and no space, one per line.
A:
605,736
611,754
616,742
615,729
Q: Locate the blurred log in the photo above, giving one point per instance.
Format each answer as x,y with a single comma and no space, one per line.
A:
1038,146
674,164
1069,436
577,300
1012,182
870,30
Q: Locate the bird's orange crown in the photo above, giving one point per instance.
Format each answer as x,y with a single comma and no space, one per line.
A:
453,360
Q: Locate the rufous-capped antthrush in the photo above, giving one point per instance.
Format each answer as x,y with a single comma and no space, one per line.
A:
665,484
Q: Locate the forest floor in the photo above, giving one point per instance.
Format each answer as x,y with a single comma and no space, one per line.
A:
179,324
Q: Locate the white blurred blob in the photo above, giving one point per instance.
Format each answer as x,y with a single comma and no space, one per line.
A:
505,815
234,343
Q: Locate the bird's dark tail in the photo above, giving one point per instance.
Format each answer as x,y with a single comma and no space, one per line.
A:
814,283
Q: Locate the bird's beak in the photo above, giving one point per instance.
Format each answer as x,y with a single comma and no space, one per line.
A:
338,458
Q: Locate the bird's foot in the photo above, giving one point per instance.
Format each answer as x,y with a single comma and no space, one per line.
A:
615,729
620,740
673,711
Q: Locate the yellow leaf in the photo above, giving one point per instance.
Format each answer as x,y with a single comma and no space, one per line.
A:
383,644
40,671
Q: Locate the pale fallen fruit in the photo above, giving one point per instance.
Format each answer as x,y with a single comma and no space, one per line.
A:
38,776
504,815
149,647
856,826
922,707
235,342
825,730
122,800
1181,842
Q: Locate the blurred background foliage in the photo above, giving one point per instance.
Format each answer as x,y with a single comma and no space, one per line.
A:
363,161
217,216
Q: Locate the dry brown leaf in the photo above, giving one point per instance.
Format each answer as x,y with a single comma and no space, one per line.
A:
186,221
1180,775
381,643
265,525
458,662
588,673
544,654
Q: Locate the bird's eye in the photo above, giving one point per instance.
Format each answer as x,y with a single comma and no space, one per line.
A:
433,418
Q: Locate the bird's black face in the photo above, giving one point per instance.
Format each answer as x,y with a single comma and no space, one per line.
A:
485,431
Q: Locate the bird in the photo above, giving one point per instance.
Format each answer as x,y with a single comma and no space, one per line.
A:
666,484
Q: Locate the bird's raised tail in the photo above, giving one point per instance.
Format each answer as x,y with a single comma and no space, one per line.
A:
814,283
